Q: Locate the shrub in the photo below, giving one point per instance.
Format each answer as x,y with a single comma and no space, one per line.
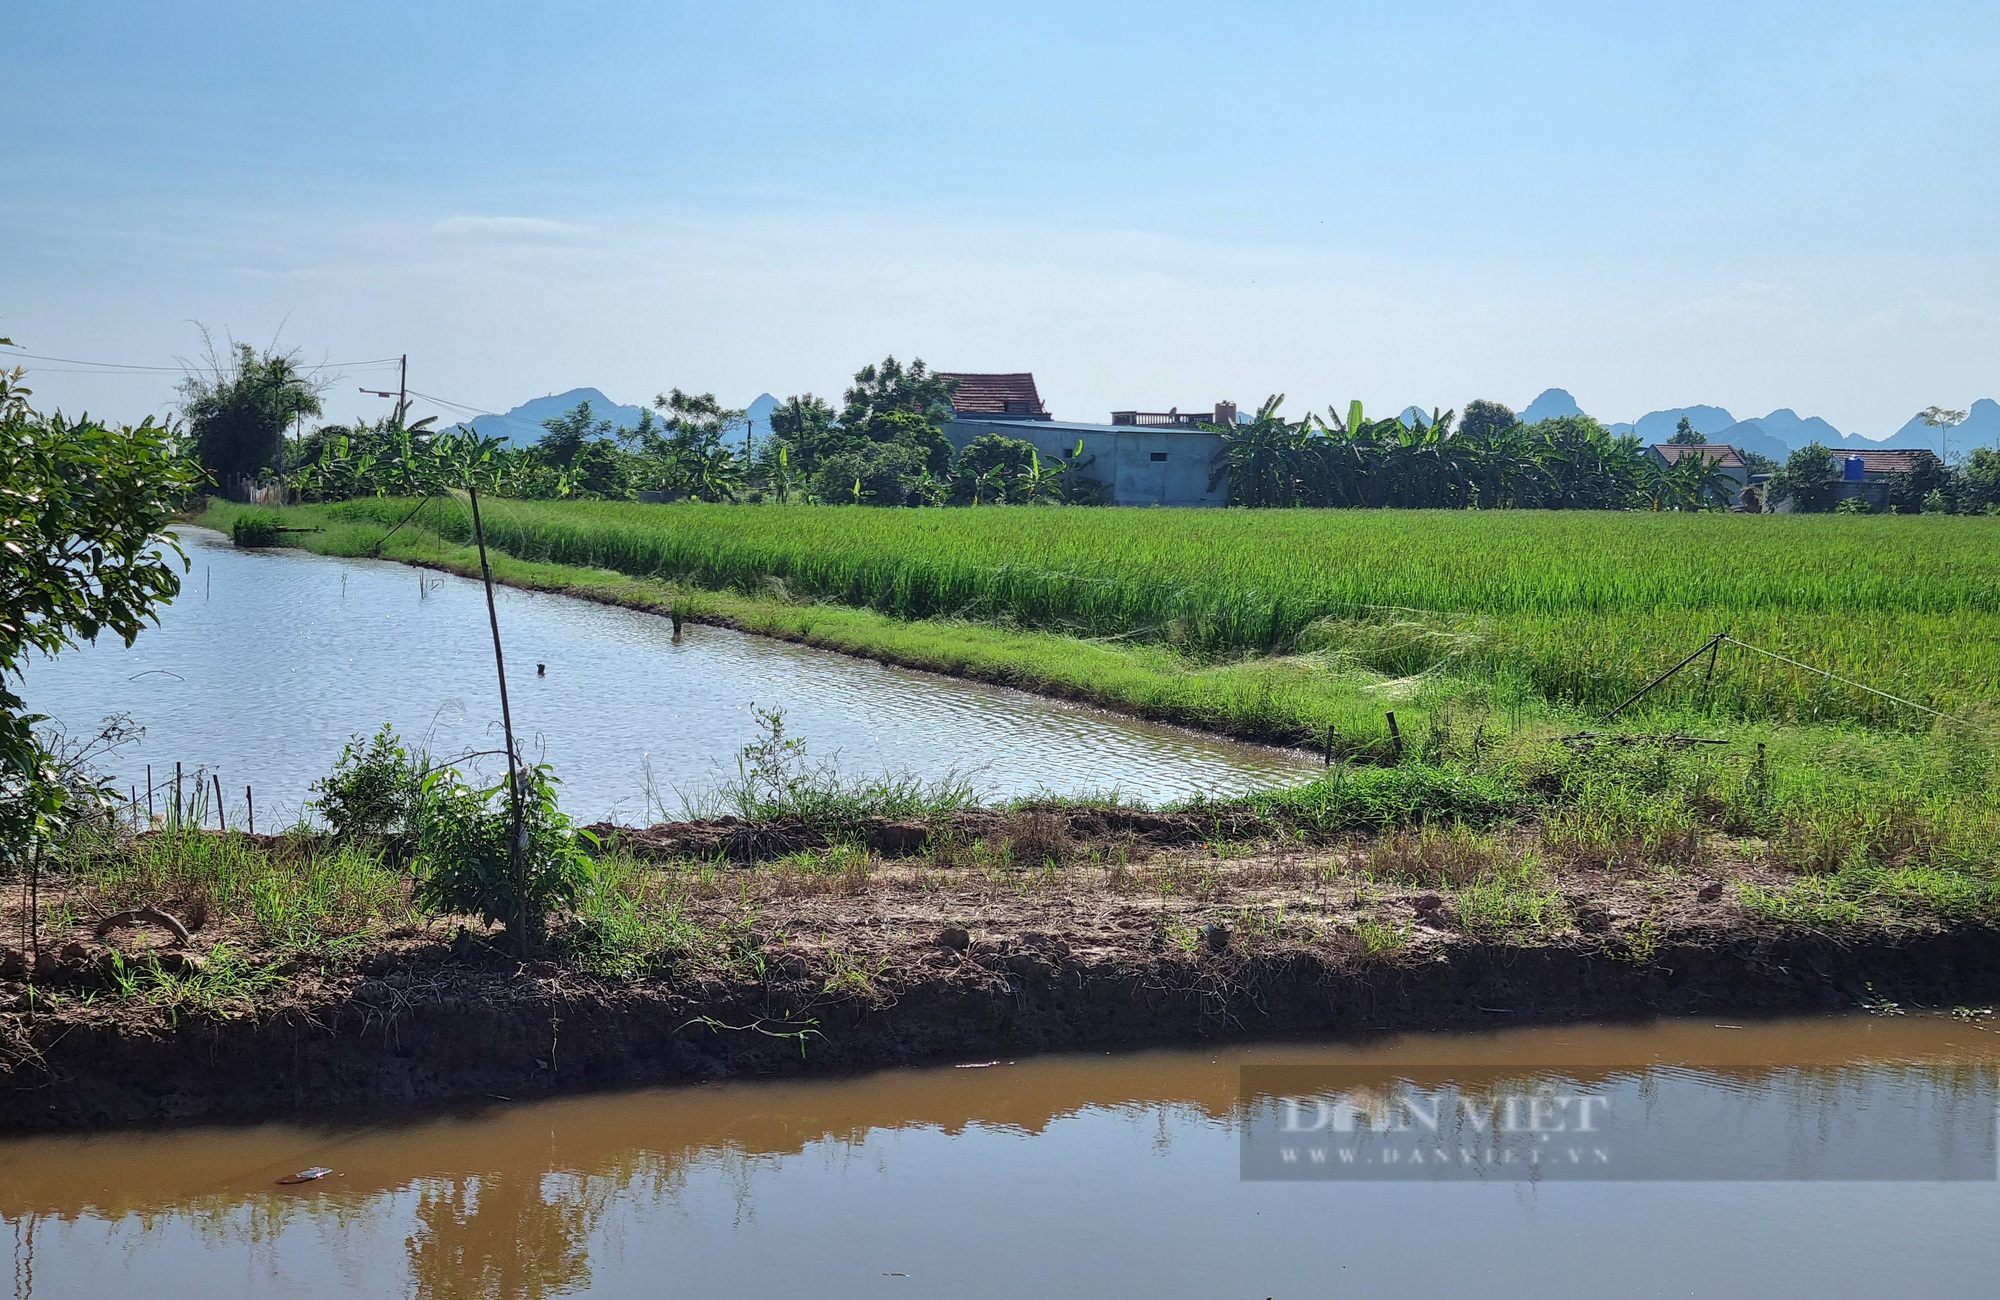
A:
372,788
462,859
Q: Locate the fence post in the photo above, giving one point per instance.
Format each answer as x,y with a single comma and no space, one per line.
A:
1395,736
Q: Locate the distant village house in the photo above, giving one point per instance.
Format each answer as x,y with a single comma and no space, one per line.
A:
1143,458
1874,474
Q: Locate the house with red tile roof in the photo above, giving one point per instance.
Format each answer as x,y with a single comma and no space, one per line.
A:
1010,396
1873,473
1141,458
1724,457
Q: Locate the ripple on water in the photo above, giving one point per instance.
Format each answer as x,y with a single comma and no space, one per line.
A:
269,661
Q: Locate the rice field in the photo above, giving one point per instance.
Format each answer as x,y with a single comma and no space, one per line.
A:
1580,607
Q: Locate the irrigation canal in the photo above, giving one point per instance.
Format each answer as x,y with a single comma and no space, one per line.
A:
1822,1158
268,662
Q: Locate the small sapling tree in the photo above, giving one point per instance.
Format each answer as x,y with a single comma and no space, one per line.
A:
463,863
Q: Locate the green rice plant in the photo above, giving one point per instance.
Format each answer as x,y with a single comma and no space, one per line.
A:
1586,604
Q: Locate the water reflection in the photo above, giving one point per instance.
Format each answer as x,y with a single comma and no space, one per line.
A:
268,662
1058,1175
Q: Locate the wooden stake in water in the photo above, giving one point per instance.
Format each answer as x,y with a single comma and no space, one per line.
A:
177,794
221,823
149,796
250,807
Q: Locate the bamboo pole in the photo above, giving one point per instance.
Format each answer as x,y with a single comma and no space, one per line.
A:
518,924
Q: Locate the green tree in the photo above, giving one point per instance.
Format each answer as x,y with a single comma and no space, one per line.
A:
1484,420
463,862
1944,421
239,406
1695,481
81,509
870,474
1264,460
565,436
1585,466
1810,479
991,469
1687,435
695,455
582,449
1978,486
806,425
904,405
1910,493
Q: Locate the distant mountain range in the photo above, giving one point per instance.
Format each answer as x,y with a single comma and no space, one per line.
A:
522,426
1783,431
1776,435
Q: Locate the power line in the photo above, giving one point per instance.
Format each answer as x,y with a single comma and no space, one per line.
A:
181,370
1847,681
456,406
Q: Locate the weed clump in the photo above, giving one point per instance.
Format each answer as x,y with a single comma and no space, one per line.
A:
256,528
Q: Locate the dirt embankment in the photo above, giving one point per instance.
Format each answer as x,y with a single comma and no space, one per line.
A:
1138,928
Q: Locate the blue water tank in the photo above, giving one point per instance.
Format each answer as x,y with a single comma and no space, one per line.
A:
1853,469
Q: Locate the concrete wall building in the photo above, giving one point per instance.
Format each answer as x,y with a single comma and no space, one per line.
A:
1142,458
1872,474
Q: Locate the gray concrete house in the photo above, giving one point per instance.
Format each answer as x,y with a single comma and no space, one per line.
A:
1872,474
1143,458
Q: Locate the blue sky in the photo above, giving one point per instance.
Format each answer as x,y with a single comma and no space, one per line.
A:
1754,205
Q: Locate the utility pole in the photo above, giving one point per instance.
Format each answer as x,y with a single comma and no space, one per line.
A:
402,393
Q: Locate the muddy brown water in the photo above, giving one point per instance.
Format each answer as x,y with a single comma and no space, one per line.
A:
1825,1157
268,661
